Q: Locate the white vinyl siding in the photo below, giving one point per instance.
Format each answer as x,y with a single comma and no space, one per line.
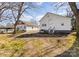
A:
56,21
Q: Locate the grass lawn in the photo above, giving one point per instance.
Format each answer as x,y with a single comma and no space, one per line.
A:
34,47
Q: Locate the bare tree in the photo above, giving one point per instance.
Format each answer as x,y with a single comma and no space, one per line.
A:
14,7
73,7
2,9
19,13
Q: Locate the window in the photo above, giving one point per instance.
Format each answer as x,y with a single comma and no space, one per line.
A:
62,24
43,24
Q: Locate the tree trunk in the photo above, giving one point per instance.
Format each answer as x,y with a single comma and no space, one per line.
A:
76,13
18,16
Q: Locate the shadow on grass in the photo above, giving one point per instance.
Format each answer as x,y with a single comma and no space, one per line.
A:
41,35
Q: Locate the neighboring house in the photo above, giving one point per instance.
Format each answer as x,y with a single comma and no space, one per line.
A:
6,29
53,23
31,26
21,26
1,29
26,26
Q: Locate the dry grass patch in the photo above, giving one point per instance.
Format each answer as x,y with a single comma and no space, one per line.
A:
35,47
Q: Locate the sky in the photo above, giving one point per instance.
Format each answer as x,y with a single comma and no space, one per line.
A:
41,9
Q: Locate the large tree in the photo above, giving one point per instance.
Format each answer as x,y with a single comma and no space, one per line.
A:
19,13
74,9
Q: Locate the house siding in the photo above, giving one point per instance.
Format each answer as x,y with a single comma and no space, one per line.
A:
52,20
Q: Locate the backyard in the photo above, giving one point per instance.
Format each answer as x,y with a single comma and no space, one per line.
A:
35,29
35,46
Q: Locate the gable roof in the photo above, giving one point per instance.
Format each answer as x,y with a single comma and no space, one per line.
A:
27,23
48,13
31,24
6,27
20,22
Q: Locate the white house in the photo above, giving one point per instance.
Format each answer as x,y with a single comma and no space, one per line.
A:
26,26
53,23
6,29
21,26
